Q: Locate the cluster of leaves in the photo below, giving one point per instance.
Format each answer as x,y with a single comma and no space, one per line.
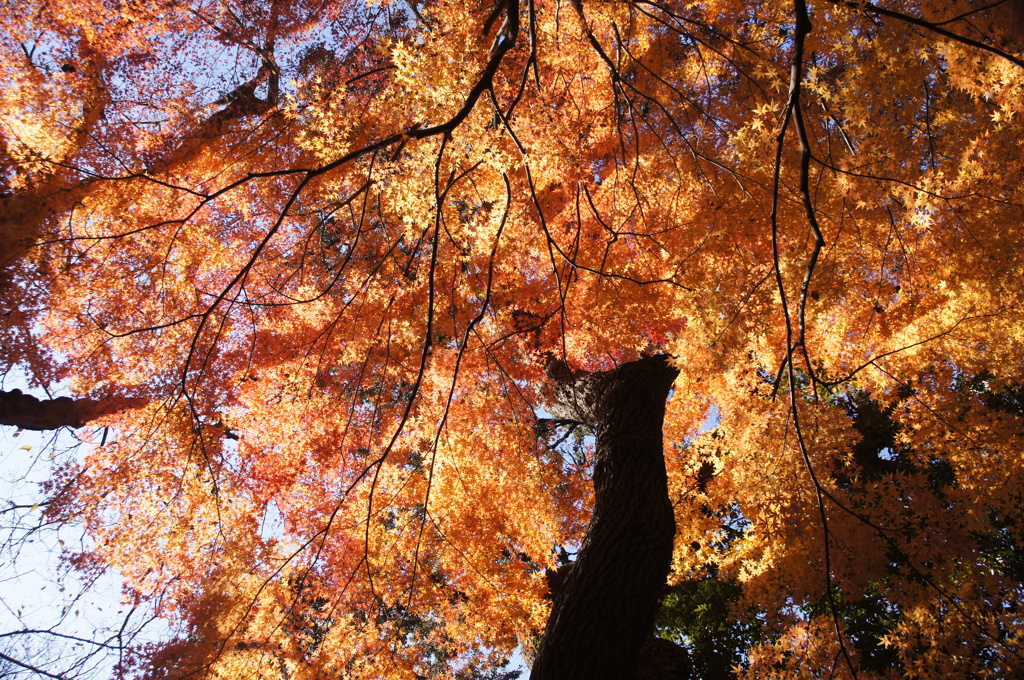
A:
975,578
701,615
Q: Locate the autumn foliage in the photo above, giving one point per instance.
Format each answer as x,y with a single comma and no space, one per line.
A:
322,250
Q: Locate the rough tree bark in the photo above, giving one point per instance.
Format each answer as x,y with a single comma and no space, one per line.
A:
603,614
30,413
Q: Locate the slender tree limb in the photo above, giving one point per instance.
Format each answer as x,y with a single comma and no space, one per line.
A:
933,27
794,113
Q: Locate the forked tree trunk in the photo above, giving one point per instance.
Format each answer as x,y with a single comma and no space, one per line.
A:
604,612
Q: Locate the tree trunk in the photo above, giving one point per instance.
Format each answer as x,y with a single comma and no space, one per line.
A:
30,413
604,612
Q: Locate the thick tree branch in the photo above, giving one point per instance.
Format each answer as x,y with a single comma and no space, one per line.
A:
30,413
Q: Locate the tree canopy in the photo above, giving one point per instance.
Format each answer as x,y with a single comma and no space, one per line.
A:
297,268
